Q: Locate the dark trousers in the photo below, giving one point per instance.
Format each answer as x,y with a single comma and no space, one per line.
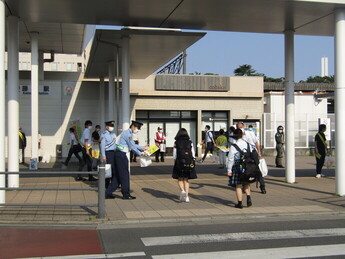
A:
319,163
73,151
110,155
157,155
87,160
280,154
133,155
262,182
209,147
121,175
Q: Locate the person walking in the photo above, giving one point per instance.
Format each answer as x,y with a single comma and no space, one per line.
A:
280,141
252,139
108,149
86,143
222,145
320,150
22,146
160,142
234,169
74,149
124,145
209,141
184,166
96,140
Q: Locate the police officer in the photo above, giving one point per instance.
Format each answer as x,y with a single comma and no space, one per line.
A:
279,137
108,148
124,145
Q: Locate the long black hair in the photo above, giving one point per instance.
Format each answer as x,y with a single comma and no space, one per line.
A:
182,133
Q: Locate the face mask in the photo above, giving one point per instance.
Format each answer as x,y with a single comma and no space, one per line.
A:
89,127
242,130
280,131
160,131
136,131
111,129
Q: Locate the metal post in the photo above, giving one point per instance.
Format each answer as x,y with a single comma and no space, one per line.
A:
111,87
101,99
125,83
101,192
2,100
184,62
117,91
34,95
289,106
13,104
339,100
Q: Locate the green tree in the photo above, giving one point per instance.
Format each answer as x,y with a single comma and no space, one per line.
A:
245,70
320,79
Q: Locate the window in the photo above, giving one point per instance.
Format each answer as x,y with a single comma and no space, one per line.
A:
54,66
69,66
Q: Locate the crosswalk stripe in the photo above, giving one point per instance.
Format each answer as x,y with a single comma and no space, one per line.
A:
271,253
208,238
93,256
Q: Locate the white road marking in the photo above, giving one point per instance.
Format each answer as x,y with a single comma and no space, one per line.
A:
209,238
271,253
94,256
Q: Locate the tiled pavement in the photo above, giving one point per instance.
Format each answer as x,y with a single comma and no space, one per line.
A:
157,196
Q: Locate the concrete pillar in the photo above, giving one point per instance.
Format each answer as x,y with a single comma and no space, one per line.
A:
184,62
339,47
2,100
125,83
289,107
34,95
117,116
111,89
13,104
101,101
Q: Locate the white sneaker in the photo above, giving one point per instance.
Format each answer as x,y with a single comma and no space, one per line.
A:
322,175
187,199
182,196
318,176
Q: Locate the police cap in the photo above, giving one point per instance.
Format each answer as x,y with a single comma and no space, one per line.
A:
110,123
137,124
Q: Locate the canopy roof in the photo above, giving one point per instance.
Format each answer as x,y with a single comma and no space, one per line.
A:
309,17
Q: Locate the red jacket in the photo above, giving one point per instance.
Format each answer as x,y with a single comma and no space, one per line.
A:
159,140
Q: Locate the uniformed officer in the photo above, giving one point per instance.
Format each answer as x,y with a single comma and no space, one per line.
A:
108,148
124,145
279,137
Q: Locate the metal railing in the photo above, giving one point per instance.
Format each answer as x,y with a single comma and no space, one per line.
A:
100,189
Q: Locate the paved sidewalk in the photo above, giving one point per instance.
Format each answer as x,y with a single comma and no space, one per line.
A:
157,196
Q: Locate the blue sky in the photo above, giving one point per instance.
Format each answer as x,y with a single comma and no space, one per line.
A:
222,52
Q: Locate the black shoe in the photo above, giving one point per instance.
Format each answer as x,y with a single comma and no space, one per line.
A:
249,202
111,196
263,191
280,166
79,178
239,206
129,197
92,179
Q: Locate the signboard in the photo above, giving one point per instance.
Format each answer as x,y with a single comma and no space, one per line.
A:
42,90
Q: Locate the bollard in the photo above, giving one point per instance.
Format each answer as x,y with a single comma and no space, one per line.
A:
101,191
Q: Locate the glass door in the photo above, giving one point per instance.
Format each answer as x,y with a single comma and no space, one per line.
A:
171,129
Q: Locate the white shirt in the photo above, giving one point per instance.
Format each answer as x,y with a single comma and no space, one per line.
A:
72,140
231,139
208,136
250,137
86,135
234,154
175,152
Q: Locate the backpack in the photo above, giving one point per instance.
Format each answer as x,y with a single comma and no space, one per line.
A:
249,164
184,160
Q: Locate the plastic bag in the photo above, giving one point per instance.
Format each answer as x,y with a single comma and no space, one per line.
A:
145,161
263,167
330,162
108,172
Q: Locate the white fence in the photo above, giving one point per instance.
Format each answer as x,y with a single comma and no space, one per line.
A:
306,127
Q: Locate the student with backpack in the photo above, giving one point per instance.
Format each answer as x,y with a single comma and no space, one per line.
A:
184,167
242,167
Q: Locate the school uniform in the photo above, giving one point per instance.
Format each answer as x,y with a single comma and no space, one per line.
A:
75,148
87,158
209,143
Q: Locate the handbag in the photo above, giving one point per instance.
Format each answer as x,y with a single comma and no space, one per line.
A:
263,167
145,161
108,172
162,147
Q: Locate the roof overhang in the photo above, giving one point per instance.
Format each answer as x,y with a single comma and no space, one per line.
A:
149,50
308,17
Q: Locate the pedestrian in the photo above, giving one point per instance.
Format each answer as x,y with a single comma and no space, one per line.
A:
124,145
209,142
231,134
74,149
160,142
86,143
96,140
222,145
184,166
133,155
22,146
234,169
252,139
320,150
108,149
280,141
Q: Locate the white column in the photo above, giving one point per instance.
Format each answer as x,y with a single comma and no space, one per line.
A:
34,95
289,106
2,99
101,101
340,100
13,104
125,83
117,92
111,88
